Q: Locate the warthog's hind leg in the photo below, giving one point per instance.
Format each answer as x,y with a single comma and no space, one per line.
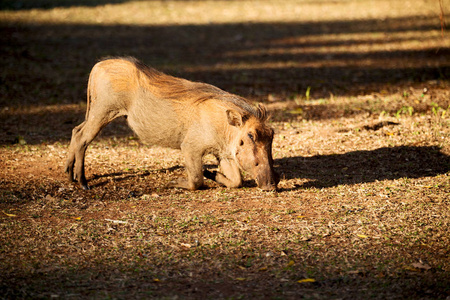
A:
82,136
70,162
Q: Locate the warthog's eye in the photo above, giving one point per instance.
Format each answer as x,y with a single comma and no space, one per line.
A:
250,135
241,143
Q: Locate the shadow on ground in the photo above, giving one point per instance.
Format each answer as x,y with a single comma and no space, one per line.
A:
364,166
49,4
49,64
323,171
52,62
143,280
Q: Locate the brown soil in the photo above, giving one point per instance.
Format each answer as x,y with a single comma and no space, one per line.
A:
359,96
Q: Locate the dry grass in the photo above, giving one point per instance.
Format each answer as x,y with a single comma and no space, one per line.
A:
359,95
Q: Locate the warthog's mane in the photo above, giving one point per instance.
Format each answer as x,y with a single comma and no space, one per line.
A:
177,89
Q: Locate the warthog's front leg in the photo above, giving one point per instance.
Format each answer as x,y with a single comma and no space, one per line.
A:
230,175
194,172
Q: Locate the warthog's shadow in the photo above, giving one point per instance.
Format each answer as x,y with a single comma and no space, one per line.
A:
336,169
103,179
364,166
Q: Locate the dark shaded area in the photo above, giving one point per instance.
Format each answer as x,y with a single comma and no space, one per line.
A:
50,126
49,4
365,166
125,175
52,62
145,282
49,65
378,125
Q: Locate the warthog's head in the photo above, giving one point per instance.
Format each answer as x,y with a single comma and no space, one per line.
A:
253,148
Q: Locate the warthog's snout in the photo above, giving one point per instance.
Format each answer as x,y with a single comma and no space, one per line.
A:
268,179
254,153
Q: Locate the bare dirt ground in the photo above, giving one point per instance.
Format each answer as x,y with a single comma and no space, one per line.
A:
359,93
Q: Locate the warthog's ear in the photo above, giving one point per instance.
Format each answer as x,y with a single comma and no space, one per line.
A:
235,118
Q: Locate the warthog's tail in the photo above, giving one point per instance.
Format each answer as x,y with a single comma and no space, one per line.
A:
89,97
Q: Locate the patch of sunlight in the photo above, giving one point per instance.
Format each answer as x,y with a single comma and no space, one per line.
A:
221,12
357,42
353,60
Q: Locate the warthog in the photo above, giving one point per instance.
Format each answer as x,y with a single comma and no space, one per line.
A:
197,118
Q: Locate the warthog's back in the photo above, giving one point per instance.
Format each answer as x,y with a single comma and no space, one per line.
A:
160,108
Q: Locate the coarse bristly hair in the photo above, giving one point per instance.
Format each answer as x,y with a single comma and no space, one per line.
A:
177,89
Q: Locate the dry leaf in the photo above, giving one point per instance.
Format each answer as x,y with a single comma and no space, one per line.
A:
296,111
306,280
10,215
116,221
50,198
421,265
240,279
362,236
187,246
291,263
